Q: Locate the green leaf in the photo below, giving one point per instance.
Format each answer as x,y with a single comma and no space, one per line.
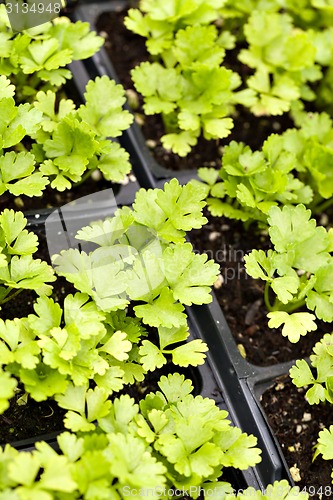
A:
24,469
285,287
259,264
28,273
121,415
21,166
189,275
161,86
182,204
71,445
73,398
151,356
76,37
46,103
198,44
103,109
114,163
181,143
128,456
291,229
7,390
168,336
208,175
175,387
163,311
97,404
295,324
239,448
16,122
43,382
108,231
71,146
190,354
146,278
6,88
112,381
324,445
117,346
320,303
301,376
90,274
217,128
44,54
171,211
57,476
14,234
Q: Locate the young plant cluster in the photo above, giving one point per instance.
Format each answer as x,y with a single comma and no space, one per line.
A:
281,57
136,449
284,52
135,272
49,141
82,353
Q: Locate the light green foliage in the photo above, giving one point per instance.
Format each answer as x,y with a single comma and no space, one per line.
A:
166,423
72,142
317,378
289,44
298,270
57,353
36,59
312,145
250,183
308,44
319,375
18,173
284,59
18,269
295,325
324,445
67,143
96,466
7,390
190,88
135,449
142,257
159,22
102,110
61,145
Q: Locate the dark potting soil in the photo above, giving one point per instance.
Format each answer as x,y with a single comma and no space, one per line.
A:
242,297
126,50
27,418
296,425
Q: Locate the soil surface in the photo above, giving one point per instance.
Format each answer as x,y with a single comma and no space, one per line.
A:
126,50
26,418
296,425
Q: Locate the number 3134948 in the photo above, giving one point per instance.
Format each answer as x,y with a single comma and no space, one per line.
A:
35,7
